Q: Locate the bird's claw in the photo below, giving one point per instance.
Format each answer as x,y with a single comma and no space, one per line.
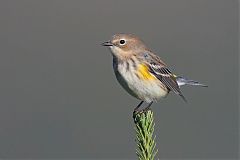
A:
142,111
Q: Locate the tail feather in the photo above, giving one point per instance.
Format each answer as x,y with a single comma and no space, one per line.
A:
184,81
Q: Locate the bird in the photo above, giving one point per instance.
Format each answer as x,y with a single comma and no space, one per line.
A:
142,73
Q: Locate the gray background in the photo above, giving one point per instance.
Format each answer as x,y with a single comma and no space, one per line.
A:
59,97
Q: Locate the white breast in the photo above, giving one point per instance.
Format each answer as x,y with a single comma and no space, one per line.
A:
144,90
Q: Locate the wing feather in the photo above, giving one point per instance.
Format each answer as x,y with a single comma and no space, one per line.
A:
166,77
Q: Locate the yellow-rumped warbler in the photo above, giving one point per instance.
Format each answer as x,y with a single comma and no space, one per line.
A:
141,73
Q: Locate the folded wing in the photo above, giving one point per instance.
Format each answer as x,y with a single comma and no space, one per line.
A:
166,77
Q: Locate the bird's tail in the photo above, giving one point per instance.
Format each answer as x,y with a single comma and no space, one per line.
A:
184,81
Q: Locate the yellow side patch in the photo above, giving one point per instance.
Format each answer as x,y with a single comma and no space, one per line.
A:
144,73
174,75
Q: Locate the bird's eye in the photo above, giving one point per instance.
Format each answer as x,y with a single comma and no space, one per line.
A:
122,41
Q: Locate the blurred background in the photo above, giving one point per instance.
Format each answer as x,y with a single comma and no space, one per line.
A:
59,97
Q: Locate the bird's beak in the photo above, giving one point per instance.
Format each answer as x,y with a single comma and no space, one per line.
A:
108,43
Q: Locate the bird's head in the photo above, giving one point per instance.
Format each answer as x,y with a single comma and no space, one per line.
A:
125,45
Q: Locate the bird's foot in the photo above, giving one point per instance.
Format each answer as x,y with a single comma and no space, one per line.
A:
138,112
